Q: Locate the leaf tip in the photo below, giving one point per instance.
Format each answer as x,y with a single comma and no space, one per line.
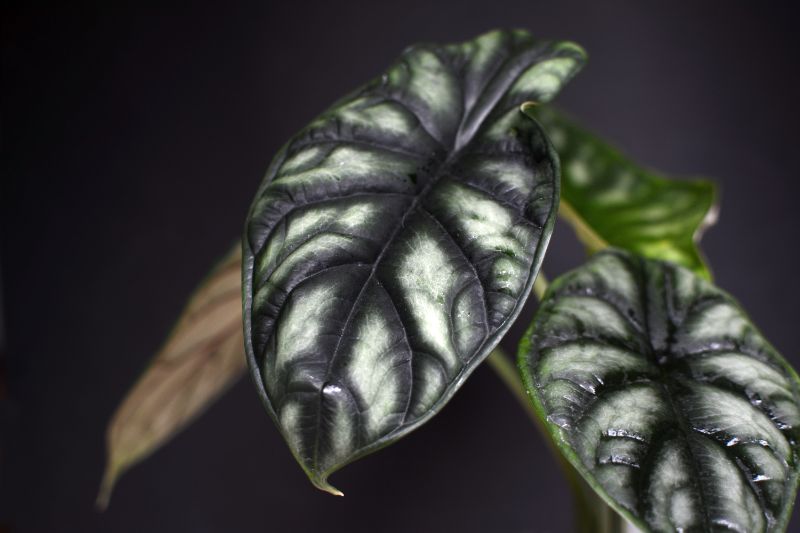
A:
322,484
528,107
106,488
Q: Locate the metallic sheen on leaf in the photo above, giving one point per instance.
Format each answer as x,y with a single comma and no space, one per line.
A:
394,240
662,393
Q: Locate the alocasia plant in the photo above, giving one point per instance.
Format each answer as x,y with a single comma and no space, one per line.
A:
394,241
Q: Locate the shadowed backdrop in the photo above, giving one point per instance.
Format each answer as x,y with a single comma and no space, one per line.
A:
132,143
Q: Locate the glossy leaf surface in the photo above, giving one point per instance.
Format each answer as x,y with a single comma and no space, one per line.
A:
203,355
394,240
666,398
611,201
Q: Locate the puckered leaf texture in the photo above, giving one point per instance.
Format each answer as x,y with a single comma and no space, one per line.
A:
662,393
394,240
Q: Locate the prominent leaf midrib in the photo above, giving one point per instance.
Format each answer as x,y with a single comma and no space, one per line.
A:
667,378
716,414
435,176
524,60
460,145
667,381
406,131
520,63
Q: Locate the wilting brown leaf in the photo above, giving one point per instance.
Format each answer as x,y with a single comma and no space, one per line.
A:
203,355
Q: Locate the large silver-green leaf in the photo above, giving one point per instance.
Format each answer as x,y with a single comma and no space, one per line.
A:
394,240
611,201
667,399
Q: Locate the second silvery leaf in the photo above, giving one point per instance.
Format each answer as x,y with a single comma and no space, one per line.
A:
666,398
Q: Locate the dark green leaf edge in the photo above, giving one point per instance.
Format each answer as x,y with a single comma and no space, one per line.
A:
557,437
706,190
319,479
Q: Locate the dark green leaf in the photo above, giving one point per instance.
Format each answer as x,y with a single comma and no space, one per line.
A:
394,240
662,393
610,201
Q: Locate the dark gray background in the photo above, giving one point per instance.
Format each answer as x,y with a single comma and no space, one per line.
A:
132,141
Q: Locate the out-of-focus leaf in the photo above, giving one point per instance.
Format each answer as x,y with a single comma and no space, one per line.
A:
203,355
611,201
666,398
395,239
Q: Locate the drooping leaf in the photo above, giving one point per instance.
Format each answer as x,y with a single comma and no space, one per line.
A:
394,240
611,201
667,399
203,355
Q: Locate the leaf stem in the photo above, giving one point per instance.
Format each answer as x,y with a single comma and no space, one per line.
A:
585,233
540,286
509,375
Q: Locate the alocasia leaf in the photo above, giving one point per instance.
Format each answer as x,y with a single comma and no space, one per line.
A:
662,393
610,201
394,240
203,355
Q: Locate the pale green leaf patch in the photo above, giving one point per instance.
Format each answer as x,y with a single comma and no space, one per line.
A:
611,201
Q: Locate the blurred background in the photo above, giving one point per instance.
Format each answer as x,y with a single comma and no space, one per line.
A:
133,141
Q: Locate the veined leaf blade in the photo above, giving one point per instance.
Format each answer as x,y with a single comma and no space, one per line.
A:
394,240
203,355
662,393
611,201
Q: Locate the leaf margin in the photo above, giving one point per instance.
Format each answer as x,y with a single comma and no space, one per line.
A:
119,461
707,189
558,435
320,480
